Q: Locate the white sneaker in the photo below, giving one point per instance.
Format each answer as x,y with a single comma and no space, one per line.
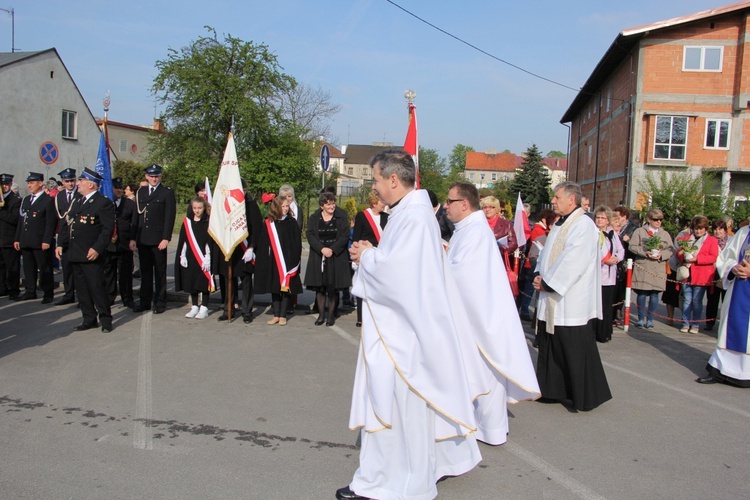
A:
193,312
202,313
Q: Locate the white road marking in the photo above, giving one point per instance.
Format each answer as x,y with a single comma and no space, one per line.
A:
342,333
553,472
684,392
142,436
7,338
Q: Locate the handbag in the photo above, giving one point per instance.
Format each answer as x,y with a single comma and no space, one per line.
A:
512,276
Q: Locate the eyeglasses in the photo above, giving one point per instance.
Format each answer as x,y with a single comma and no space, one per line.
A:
448,201
656,220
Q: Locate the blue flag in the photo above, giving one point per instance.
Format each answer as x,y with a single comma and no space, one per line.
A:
103,169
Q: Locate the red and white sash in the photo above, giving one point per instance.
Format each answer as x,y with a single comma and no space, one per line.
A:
375,226
285,276
196,249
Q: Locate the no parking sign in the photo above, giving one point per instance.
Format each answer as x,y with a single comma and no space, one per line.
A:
48,153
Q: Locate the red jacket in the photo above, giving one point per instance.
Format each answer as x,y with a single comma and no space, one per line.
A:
703,269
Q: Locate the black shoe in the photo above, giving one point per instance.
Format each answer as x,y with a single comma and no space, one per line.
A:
346,493
320,321
247,319
358,324
107,329
26,297
140,308
707,380
129,304
330,321
159,310
3,293
47,300
64,302
84,326
13,297
223,317
137,275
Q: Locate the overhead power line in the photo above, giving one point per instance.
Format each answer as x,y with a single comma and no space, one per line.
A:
481,50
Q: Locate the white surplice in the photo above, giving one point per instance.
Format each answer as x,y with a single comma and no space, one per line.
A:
410,340
492,320
574,276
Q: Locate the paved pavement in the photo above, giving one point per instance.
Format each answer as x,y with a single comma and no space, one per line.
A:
167,407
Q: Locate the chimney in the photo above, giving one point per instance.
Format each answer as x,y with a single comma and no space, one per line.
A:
343,149
158,125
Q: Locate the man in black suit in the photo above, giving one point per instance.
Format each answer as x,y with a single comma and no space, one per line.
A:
119,266
84,235
153,222
63,201
34,237
446,226
10,258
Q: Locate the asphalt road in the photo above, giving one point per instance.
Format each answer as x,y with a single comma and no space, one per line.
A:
167,407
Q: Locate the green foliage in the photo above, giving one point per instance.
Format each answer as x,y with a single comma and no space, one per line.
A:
457,159
432,171
556,154
679,195
130,171
532,181
208,86
350,205
652,242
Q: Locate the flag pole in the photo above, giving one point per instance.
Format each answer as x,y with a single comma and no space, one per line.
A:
411,144
106,102
230,291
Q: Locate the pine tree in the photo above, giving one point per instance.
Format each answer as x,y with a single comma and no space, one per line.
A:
532,181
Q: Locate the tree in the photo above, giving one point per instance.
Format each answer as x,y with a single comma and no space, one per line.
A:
457,159
208,86
681,196
130,171
309,110
556,154
432,171
532,181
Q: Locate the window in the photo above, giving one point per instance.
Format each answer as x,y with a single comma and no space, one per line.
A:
123,145
494,176
609,99
69,124
350,171
671,137
702,58
471,176
717,134
591,153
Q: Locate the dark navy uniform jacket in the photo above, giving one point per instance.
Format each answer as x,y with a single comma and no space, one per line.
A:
38,222
154,217
89,224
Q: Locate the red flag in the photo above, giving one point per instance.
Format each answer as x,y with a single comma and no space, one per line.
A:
411,145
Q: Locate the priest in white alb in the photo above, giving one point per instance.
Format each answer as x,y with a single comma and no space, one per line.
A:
568,280
412,395
730,361
490,316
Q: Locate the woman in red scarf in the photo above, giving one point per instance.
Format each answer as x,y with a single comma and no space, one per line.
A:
494,211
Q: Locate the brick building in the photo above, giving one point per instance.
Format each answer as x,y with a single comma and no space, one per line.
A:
671,95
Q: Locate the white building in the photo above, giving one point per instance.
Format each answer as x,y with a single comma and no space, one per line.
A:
44,117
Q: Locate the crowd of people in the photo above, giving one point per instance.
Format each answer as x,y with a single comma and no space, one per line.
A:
442,348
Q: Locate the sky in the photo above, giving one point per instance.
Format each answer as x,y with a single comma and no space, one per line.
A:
365,53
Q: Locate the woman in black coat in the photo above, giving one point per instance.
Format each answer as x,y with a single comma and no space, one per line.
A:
280,242
368,225
328,267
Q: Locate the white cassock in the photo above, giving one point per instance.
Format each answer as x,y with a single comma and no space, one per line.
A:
412,394
492,320
732,354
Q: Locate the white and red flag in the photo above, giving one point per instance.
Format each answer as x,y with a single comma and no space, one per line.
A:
209,196
411,145
521,223
227,224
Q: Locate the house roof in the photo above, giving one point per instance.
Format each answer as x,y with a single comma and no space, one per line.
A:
335,152
110,123
622,46
8,58
556,163
500,162
360,154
